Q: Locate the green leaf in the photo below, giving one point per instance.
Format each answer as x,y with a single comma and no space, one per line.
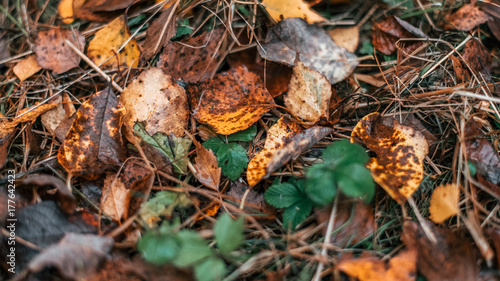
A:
228,233
193,249
214,144
320,184
183,28
163,204
245,135
158,248
355,181
297,213
283,195
175,148
232,159
343,152
210,269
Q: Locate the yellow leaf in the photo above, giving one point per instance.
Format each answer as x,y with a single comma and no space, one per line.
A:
444,202
108,41
284,9
346,37
65,9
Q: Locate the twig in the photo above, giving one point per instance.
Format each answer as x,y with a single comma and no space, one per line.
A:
328,237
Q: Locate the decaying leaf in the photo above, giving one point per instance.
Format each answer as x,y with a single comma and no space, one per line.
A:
31,114
346,37
231,101
26,68
388,31
444,202
309,94
458,68
192,60
163,204
401,267
313,46
451,258
400,151
465,18
84,9
107,5
94,143
108,41
277,136
156,37
477,56
5,141
54,117
279,10
53,53
207,169
155,100
114,195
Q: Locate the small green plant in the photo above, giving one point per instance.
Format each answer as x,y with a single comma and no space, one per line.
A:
343,169
186,248
231,156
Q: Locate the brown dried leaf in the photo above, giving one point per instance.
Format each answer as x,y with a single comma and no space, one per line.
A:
138,179
279,10
399,165
309,93
151,46
477,56
346,37
254,201
54,117
108,41
107,5
401,267
313,46
157,101
114,197
5,142
207,168
444,202
195,60
451,258
94,144
465,18
83,9
458,68
26,68
54,54
230,102
388,31
31,114
278,135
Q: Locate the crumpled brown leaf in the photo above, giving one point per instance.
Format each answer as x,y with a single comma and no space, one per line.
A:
207,168
153,43
477,57
389,30
465,18
313,46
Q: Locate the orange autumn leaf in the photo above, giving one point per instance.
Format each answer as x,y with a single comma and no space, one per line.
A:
65,9
402,267
26,115
285,9
444,202
26,68
231,101
400,150
108,41
277,136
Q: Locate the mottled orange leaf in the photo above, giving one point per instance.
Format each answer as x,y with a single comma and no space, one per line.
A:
108,41
94,143
444,202
53,53
309,93
157,101
389,30
465,18
398,167
402,267
26,68
207,169
114,196
280,9
277,136
230,102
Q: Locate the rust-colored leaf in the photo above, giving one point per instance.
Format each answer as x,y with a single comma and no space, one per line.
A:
156,37
207,169
309,94
26,68
231,101
279,10
53,53
401,267
277,136
94,144
157,101
192,60
26,115
108,41
114,196
388,31
444,202
465,18
477,56
5,142
458,68
400,150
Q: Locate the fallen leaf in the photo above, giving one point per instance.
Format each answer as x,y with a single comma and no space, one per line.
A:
108,5
451,258
108,41
389,30
458,68
296,146
94,143
26,68
54,117
5,142
53,53
65,9
114,195
279,10
312,45
157,36
230,102
309,94
277,136
83,9
399,165
207,169
346,37
477,57
465,18
401,267
163,204
31,114
444,202
494,25
192,60
155,100
75,256
139,183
